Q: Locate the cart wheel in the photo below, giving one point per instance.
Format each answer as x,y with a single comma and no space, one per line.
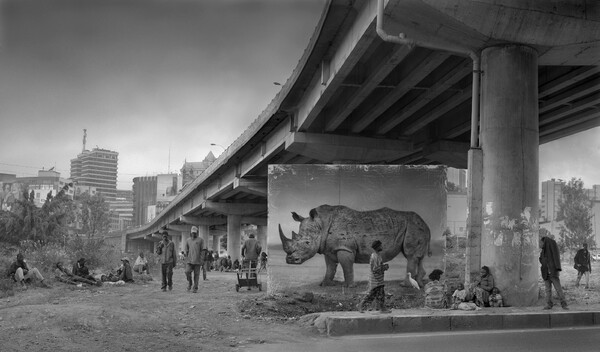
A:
237,288
260,287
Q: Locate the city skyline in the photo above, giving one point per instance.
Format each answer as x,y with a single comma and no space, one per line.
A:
158,82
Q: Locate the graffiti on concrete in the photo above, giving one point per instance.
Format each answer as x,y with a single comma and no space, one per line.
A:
507,231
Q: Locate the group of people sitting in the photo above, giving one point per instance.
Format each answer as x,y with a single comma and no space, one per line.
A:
81,273
21,273
481,293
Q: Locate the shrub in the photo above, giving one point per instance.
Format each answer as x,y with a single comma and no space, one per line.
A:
44,257
96,252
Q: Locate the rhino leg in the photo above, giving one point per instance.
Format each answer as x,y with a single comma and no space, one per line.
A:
331,267
421,273
346,260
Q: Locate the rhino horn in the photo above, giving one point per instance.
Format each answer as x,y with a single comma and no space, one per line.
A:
287,243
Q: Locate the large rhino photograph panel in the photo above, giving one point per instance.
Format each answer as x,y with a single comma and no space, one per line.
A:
324,218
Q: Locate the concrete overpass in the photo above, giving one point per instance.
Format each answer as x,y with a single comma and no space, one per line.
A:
392,82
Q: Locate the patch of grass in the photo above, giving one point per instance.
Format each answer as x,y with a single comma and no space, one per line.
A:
6,288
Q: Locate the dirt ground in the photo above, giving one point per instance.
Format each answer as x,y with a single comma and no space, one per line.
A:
140,317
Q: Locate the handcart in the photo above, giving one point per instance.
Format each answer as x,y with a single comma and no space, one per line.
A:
247,276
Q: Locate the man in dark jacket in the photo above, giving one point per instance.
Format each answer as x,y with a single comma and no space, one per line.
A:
126,273
250,251
62,274
583,265
194,254
19,272
168,258
550,260
82,271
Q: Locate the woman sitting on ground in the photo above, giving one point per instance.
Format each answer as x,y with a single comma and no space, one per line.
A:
435,291
482,288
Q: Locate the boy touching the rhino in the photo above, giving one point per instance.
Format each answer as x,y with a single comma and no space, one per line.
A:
376,283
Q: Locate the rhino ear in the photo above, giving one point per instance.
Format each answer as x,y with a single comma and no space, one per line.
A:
297,217
313,213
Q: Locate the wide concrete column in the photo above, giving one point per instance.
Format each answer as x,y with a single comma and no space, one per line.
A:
203,233
261,236
234,228
184,238
216,245
176,237
510,145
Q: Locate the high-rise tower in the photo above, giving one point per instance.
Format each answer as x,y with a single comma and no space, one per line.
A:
551,195
96,169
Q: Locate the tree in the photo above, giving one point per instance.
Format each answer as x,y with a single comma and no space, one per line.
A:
452,187
57,214
23,221
575,211
95,214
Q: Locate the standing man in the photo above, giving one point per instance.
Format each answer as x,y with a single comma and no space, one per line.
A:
250,251
550,260
583,265
168,258
194,253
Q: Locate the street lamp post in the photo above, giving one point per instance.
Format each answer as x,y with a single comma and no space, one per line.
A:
218,145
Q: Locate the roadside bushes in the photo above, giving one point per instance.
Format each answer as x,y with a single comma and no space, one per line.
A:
43,257
98,255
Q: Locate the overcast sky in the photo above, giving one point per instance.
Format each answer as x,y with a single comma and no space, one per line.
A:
157,78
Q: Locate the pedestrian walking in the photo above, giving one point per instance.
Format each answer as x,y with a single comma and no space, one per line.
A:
194,253
250,251
550,260
583,265
376,281
168,258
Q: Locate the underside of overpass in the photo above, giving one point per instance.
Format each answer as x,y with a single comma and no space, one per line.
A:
357,98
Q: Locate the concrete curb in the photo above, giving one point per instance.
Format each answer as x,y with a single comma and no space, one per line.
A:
335,324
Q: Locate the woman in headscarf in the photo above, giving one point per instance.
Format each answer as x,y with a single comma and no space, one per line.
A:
483,287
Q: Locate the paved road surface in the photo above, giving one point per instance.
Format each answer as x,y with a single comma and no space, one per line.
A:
546,340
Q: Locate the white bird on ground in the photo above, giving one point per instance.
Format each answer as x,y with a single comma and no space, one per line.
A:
413,282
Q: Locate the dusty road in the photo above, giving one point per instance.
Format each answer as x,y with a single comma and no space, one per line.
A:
139,317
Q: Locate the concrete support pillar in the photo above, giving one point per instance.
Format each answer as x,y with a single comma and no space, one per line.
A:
510,146
203,234
261,236
233,236
176,237
474,190
184,238
216,244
